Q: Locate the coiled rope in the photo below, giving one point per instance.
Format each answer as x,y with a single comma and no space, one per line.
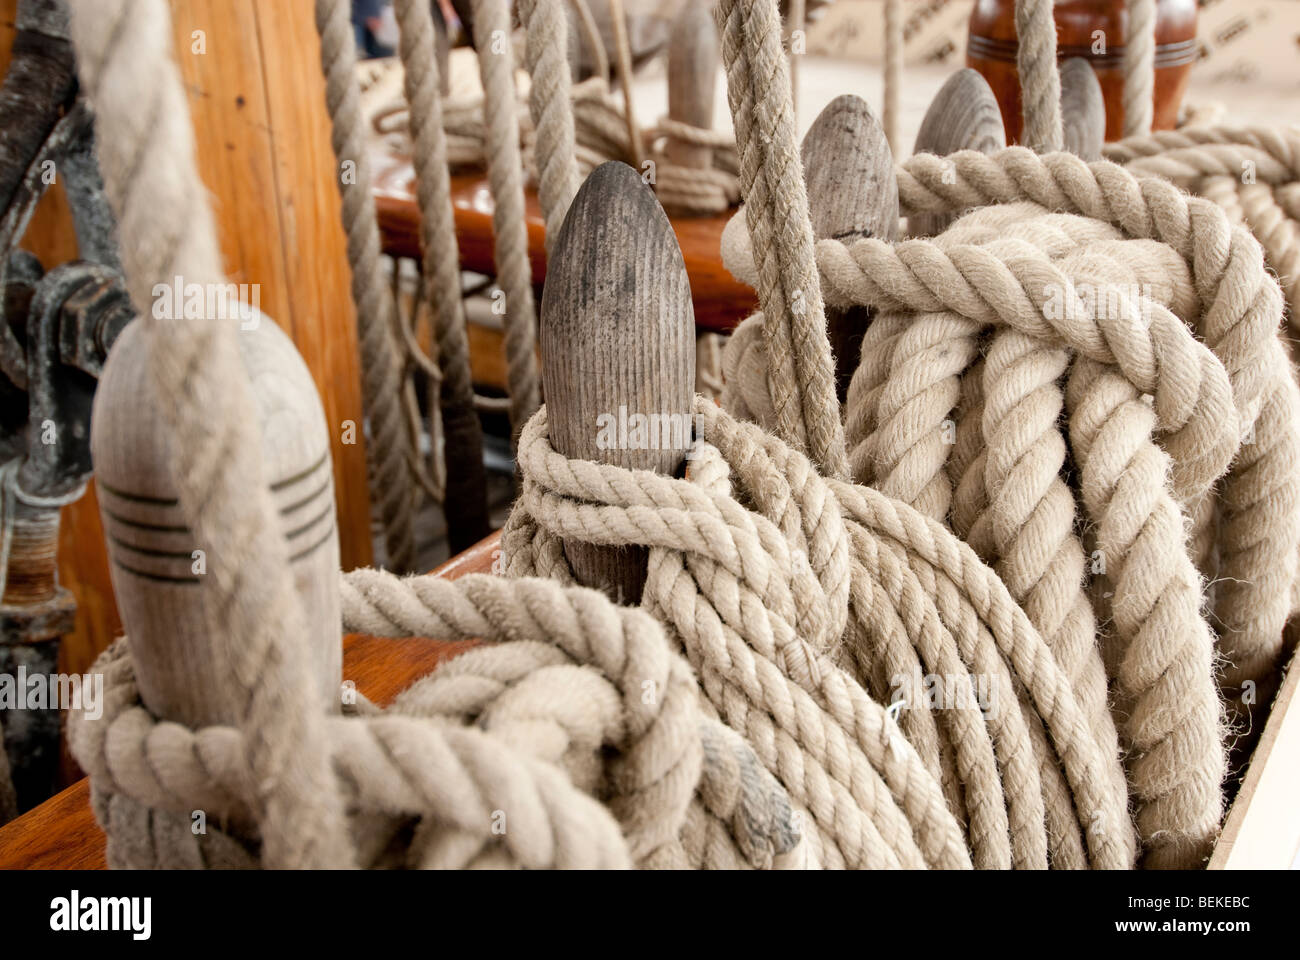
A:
1231,400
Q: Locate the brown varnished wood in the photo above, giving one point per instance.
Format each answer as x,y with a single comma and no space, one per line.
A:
991,49
852,194
963,115
618,342
62,834
721,301
1083,109
257,100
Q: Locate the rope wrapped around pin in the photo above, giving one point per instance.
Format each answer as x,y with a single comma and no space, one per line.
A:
965,429
574,741
776,581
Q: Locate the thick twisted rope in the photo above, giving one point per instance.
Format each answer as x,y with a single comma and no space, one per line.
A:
908,387
738,798
392,764
1040,81
146,152
507,720
509,228
1257,532
771,177
1139,67
390,449
440,276
1176,719
1252,172
704,549
546,29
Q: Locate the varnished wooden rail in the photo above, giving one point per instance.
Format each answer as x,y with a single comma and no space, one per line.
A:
61,833
720,300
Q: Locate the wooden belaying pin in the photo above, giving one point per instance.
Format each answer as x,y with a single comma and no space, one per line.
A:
1083,109
852,194
157,566
963,115
692,79
618,349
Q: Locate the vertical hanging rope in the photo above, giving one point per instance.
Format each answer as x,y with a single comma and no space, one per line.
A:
505,175
802,380
893,71
549,103
389,450
1040,81
1139,67
798,24
466,499
146,151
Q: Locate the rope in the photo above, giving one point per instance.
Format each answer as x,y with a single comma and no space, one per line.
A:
440,275
1139,67
771,177
761,599
1253,599
893,73
509,228
520,732
1040,81
546,28
146,152
1252,172
389,449
593,128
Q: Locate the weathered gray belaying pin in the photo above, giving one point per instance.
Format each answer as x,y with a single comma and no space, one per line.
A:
963,115
692,79
618,349
852,194
1083,109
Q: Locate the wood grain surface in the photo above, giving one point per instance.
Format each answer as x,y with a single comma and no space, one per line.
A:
963,115
852,195
618,343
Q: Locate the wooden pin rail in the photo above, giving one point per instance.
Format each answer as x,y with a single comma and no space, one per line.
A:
720,301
